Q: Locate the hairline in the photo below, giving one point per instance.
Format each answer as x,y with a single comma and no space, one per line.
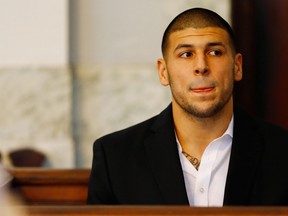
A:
233,49
197,18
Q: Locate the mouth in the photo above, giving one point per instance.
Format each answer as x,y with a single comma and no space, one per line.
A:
203,90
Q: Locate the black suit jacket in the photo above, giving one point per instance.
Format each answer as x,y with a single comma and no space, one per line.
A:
141,165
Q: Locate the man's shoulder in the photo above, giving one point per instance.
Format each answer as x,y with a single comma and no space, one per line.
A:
257,125
274,131
138,132
133,130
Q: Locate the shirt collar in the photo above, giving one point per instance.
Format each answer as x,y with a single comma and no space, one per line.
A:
229,132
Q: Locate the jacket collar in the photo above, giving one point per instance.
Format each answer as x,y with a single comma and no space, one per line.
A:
161,148
245,156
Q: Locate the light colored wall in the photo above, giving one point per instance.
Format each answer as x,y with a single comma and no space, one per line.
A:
129,31
113,82
35,79
33,32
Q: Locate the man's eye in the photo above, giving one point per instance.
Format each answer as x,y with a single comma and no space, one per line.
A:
216,52
186,55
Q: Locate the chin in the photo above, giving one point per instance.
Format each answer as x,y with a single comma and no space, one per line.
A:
202,112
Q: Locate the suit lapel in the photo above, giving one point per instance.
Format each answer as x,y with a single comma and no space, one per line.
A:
245,155
164,160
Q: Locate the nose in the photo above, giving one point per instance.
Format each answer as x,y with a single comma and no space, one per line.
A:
201,66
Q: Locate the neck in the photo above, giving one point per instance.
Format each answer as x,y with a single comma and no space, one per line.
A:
196,133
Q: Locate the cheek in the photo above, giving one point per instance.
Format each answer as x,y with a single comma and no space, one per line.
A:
226,78
229,80
180,81
178,76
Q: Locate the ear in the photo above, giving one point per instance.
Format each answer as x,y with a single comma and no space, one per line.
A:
238,73
162,72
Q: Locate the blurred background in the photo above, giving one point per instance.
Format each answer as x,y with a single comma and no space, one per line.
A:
74,70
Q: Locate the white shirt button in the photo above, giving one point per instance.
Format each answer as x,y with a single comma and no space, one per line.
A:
202,190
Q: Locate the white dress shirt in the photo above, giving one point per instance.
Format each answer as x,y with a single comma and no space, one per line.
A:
206,186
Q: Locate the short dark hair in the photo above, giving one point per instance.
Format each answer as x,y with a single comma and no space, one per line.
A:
196,18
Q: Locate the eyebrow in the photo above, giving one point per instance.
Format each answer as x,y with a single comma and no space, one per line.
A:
211,44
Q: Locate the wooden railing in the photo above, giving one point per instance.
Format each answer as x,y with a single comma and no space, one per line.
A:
63,192
51,187
153,210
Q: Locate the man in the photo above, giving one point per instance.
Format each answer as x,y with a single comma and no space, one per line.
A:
200,151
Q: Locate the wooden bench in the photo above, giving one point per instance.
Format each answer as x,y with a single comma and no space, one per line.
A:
51,186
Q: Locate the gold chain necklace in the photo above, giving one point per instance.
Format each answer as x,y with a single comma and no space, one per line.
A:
193,160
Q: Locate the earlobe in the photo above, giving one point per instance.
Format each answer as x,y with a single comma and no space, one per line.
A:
238,73
162,72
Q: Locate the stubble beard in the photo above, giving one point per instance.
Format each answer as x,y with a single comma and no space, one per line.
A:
194,110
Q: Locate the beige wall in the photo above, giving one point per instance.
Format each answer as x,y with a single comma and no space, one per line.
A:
33,32
35,79
129,31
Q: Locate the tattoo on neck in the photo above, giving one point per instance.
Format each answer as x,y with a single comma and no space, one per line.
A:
193,160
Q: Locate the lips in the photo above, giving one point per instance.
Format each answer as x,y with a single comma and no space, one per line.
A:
202,86
203,89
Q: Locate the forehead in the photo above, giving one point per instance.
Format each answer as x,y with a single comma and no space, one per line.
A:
195,36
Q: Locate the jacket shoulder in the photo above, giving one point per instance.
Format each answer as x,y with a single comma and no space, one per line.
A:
129,133
136,134
269,131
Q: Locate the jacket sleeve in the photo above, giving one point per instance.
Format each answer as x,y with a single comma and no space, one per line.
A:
99,186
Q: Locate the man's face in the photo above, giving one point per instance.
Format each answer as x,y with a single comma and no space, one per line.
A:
200,68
